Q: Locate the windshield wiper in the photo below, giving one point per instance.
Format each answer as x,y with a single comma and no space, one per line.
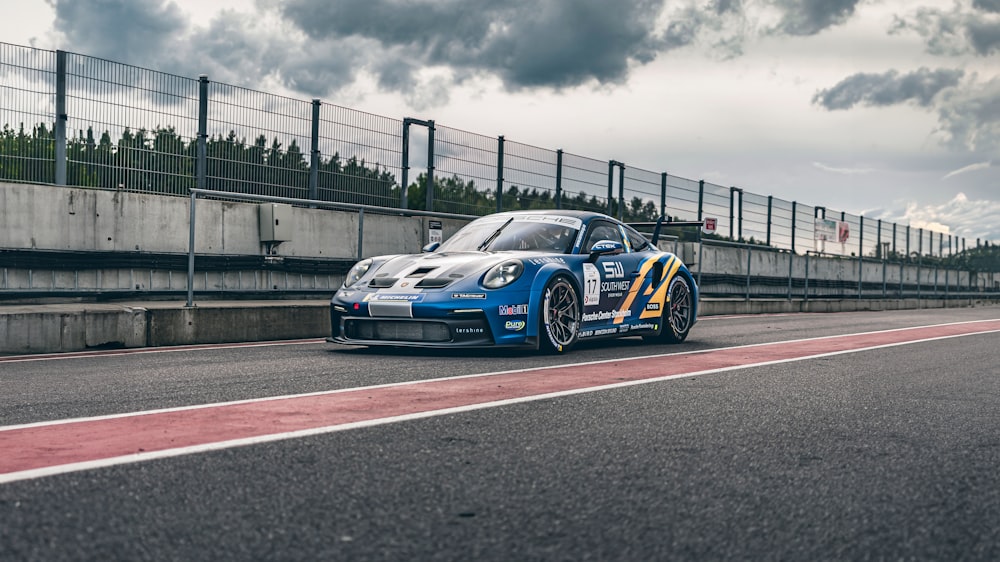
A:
493,236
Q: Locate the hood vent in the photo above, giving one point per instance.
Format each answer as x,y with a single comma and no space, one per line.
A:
382,282
434,283
421,272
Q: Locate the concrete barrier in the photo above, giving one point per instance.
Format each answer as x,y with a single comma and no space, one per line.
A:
76,327
59,328
54,328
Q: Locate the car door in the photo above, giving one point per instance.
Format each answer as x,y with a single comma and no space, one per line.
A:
607,281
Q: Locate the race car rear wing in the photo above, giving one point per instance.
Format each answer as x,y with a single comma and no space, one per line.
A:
661,222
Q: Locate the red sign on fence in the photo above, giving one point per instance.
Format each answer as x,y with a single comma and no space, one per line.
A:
710,225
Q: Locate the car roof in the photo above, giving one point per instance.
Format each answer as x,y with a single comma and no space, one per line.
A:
584,216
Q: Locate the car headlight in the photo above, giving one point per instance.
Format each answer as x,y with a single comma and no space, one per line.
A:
357,272
503,274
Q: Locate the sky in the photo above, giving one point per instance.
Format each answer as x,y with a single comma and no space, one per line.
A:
884,108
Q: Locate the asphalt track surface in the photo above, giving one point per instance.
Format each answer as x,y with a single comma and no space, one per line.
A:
874,452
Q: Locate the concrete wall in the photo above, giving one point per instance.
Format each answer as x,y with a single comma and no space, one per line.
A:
43,217
46,217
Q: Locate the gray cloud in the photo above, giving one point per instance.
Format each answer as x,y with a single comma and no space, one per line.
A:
992,6
134,30
975,219
958,31
553,44
984,36
809,17
889,88
328,43
970,117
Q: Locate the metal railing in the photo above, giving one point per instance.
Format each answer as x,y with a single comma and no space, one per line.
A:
71,119
751,271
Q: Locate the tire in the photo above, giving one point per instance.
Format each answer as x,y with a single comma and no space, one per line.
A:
678,313
559,324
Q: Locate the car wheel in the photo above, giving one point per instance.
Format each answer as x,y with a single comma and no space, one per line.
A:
560,322
678,313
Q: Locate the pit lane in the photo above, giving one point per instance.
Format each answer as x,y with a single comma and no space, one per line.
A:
848,452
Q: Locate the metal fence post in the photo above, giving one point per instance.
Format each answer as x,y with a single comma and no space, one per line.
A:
663,194
794,213
61,118
920,257
559,167
314,153
770,207
739,213
731,215
861,254
621,191
701,253
701,198
202,166
499,173
430,165
405,165
611,186
749,265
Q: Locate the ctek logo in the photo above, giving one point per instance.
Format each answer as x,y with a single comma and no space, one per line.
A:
613,270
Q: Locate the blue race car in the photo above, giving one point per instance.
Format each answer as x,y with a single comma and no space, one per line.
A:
535,279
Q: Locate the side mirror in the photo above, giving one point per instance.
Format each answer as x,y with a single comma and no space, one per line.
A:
430,247
605,248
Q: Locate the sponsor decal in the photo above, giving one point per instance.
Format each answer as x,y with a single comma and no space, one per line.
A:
615,286
613,270
644,327
605,331
469,330
468,295
652,306
515,325
622,329
388,297
586,333
591,285
606,315
541,261
513,309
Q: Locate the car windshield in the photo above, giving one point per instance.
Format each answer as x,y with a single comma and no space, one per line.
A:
538,233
